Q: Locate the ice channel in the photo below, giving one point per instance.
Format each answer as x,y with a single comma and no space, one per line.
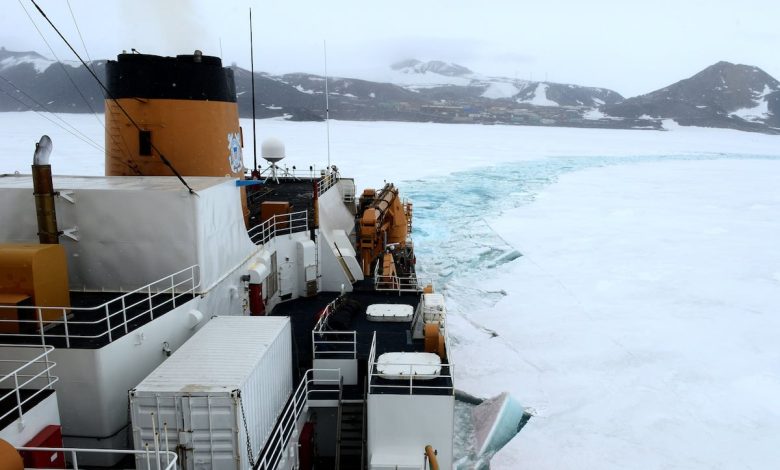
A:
454,242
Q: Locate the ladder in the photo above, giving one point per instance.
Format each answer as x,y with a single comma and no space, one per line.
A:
350,435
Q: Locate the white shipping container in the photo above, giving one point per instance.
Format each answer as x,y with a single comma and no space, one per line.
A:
194,398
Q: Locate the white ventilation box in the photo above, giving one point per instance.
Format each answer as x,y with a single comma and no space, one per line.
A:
434,309
197,394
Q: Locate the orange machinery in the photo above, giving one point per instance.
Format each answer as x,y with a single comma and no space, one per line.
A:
35,274
384,222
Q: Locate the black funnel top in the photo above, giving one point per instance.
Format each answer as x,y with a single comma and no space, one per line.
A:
184,77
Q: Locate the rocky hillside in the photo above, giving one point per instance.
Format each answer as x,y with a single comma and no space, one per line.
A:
414,66
723,95
30,81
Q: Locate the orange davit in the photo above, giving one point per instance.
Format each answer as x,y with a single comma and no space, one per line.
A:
383,222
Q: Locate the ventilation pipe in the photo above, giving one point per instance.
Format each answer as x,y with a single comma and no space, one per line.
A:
43,190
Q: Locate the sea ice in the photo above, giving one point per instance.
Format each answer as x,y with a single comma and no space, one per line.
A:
640,319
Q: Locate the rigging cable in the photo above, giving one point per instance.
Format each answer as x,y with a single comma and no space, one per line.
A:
83,137
48,118
84,44
113,99
61,64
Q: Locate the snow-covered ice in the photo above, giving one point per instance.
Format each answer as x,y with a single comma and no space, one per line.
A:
623,284
640,322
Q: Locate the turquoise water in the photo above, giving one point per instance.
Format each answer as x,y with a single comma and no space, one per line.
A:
450,230
453,239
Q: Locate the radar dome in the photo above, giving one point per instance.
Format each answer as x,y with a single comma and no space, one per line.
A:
272,149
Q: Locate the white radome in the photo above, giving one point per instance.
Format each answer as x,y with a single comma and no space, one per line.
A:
272,149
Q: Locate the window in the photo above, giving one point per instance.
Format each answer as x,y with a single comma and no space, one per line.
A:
145,143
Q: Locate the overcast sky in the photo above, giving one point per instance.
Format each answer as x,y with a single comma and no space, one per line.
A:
632,47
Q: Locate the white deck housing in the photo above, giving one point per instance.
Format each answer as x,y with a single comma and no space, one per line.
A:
133,230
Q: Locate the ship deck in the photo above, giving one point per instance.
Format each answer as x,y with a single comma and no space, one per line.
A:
86,325
390,337
298,192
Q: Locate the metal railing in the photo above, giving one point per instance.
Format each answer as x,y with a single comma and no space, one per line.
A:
334,344
149,456
395,283
339,417
322,321
415,384
116,314
26,377
326,344
327,181
277,442
281,224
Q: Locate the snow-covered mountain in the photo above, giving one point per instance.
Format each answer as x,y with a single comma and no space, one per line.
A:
558,94
414,66
10,59
721,95
424,77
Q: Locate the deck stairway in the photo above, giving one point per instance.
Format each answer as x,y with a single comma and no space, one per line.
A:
351,435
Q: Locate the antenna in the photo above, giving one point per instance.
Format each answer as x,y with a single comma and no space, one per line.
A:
327,107
252,71
220,48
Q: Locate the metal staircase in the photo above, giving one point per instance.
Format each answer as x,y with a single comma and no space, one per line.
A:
350,435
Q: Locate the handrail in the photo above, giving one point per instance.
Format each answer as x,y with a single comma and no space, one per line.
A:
395,283
414,384
327,181
44,374
372,351
170,456
279,224
277,442
338,425
322,347
116,310
322,321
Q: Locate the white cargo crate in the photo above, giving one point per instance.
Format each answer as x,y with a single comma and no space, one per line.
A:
195,396
434,309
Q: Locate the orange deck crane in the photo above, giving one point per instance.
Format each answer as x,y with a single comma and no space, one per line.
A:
385,222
